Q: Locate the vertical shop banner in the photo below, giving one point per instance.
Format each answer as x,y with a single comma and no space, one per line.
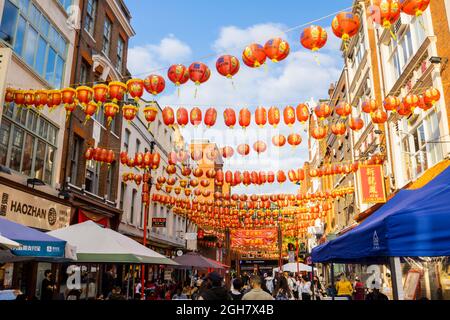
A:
371,182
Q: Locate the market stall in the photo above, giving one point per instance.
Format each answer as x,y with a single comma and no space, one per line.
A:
412,225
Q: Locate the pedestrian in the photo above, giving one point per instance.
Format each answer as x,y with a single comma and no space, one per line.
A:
317,287
117,294
282,291
245,279
236,290
108,282
179,295
269,283
305,289
256,293
214,290
344,287
376,294
292,283
48,286
359,293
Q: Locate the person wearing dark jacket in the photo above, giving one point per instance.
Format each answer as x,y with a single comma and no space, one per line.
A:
214,291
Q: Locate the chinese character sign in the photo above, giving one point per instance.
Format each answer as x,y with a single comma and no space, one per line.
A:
372,187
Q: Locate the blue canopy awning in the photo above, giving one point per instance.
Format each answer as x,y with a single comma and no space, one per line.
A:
33,242
414,223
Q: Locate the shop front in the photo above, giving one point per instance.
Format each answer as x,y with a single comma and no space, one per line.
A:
36,209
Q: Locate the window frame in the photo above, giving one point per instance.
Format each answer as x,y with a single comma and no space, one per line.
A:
107,37
91,17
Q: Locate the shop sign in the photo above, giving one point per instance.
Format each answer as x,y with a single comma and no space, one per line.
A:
371,181
159,222
32,211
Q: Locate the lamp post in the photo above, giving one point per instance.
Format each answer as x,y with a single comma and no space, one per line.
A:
148,183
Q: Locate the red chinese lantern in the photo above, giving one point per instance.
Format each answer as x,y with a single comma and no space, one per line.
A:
197,155
212,154
245,118
135,88
210,117
319,133
411,101
182,117
178,74
339,129
172,158
302,112
289,116
199,73
148,159
404,110
314,38
379,117
345,25
197,172
29,98
124,157
89,154
254,55
294,139
432,96
293,177
260,147
414,7
227,152
182,156
154,84
274,116
277,49
356,124
196,116
281,177
9,96
243,149
423,105
323,111
205,183
68,98
129,112
171,169
391,103
343,109
369,106
84,95
261,116
186,171
388,12
117,91
19,97
54,98
110,110
168,116
279,140
156,161
110,157
40,99
150,113
100,93
228,177
229,117
89,110
228,66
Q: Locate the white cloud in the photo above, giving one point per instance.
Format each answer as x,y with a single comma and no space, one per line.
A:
292,81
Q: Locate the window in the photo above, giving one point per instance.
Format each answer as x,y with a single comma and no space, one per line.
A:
120,47
92,176
107,36
138,145
75,158
33,38
126,140
83,73
65,4
110,182
28,145
91,10
133,200
123,190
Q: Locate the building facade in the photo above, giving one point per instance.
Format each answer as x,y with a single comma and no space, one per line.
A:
137,137
100,57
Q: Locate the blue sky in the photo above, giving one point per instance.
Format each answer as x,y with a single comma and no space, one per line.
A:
198,22
170,32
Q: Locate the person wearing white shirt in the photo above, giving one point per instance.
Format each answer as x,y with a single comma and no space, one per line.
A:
305,289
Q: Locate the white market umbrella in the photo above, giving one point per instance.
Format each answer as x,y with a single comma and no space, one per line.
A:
95,244
292,267
6,244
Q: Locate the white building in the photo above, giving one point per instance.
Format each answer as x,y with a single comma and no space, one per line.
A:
137,138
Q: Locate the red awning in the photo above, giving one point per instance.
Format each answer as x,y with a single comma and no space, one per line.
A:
84,216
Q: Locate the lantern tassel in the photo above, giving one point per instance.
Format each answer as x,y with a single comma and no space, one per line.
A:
422,24
393,34
196,91
178,89
316,58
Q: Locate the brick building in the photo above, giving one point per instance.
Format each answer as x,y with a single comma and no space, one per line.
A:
100,57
